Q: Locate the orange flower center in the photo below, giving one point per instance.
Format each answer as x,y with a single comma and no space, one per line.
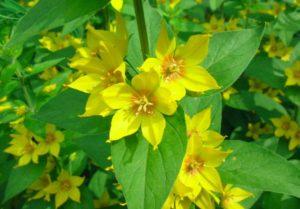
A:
142,104
172,68
285,126
111,77
50,138
193,164
296,74
65,185
28,148
297,135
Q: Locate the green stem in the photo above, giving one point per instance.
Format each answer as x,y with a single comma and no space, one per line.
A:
140,19
106,17
25,90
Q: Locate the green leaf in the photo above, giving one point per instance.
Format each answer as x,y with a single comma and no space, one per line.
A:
193,105
86,201
147,175
262,69
64,110
263,105
49,14
95,147
98,183
17,182
293,94
38,204
215,4
279,201
230,53
253,166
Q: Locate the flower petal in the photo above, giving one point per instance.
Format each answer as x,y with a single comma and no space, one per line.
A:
60,198
96,106
146,82
165,45
124,123
151,64
195,50
197,79
74,194
164,102
177,90
118,96
86,83
153,127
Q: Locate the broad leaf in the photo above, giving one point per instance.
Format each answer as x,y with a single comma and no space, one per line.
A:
254,166
230,53
147,175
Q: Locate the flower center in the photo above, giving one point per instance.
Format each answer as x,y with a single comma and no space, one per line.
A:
111,77
274,48
50,138
28,148
285,126
297,74
193,164
172,68
65,185
143,105
297,135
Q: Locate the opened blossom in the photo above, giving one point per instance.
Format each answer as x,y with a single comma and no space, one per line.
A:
141,104
179,66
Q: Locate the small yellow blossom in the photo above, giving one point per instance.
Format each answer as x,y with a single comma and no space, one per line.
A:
295,139
55,41
214,25
117,4
5,107
49,74
179,66
284,126
3,99
230,91
24,145
254,130
276,48
52,141
49,88
102,62
65,187
141,104
257,86
293,74
232,196
21,110
232,24
40,186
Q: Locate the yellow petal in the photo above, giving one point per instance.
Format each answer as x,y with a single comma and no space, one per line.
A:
96,106
164,102
238,194
152,64
165,45
118,96
86,83
195,50
76,180
210,179
74,194
54,149
117,4
50,128
197,79
204,201
212,138
146,82
201,121
24,160
88,65
177,90
60,198
153,127
124,123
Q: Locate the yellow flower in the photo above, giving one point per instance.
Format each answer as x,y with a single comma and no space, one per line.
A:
24,145
172,3
295,139
277,49
52,141
293,74
254,130
49,88
284,126
197,127
214,25
65,187
141,104
102,62
232,196
232,24
117,4
179,66
49,74
228,92
275,9
55,41
256,85
5,107
21,110
40,186
32,3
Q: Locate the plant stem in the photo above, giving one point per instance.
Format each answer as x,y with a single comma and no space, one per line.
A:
106,17
25,90
140,19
